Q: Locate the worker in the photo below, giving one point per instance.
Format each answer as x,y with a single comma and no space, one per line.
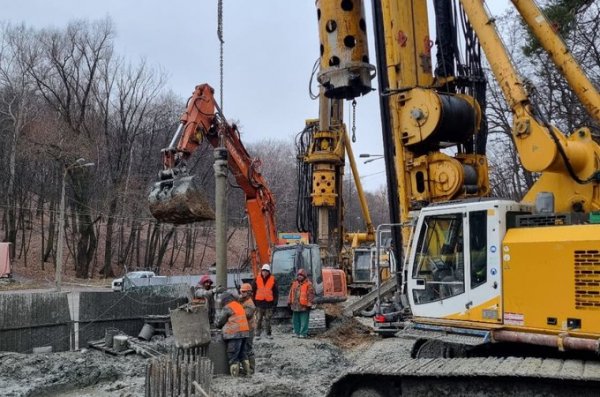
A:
250,309
266,294
300,300
236,330
204,292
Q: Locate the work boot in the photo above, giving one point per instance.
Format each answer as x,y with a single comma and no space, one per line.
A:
252,365
234,369
247,367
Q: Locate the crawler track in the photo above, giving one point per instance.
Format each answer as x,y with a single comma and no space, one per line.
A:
472,376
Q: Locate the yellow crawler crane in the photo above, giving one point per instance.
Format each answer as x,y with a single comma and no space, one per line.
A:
482,276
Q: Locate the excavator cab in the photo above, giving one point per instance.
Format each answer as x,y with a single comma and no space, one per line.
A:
286,260
329,283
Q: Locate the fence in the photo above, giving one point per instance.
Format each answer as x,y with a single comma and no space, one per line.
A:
67,321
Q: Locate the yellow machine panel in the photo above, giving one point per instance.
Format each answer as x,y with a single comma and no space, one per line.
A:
551,278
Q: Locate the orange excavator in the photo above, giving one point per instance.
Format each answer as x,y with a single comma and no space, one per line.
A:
176,198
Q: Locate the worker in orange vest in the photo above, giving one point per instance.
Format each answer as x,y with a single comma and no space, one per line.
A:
266,294
300,300
236,330
250,309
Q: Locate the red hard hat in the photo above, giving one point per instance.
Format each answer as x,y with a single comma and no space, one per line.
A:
205,279
301,272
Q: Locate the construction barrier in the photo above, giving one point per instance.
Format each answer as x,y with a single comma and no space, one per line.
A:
179,375
61,321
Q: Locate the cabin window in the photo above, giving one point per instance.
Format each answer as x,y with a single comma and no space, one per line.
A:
439,261
478,254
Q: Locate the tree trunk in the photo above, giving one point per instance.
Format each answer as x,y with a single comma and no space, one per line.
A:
86,235
51,232
188,248
163,248
108,271
125,254
11,222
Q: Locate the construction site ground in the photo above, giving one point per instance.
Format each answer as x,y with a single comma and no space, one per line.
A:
286,366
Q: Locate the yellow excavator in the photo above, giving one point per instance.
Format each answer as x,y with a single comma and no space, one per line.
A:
482,276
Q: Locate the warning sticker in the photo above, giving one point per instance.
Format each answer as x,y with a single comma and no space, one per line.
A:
514,318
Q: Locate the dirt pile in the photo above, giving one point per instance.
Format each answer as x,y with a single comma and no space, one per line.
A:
347,333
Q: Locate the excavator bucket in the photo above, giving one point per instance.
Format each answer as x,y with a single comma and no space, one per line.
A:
179,201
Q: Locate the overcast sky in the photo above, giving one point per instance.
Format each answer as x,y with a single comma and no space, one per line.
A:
270,48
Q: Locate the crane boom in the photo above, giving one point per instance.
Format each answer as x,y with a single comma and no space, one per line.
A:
566,64
571,163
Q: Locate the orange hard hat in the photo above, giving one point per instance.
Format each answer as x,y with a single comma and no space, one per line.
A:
246,288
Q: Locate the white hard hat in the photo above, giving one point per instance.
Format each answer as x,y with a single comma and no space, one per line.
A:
266,267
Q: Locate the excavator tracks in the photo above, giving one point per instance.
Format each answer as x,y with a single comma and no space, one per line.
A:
317,322
488,376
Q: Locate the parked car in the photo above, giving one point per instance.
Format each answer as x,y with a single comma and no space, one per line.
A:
117,284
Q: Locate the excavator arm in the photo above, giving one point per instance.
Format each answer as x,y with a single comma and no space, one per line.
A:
176,198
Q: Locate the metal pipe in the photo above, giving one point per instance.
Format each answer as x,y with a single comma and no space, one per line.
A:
176,136
359,189
558,341
220,167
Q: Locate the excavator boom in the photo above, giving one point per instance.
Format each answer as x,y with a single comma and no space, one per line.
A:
177,197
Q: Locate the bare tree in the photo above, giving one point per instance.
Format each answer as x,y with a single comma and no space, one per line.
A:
124,96
278,166
17,105
65,66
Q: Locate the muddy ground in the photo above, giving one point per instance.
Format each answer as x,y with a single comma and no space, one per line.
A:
286,366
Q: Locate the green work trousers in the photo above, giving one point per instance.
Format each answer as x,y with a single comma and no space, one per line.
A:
300,322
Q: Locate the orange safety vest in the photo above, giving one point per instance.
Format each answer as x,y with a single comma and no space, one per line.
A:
249,303
237,322
264,292
303,292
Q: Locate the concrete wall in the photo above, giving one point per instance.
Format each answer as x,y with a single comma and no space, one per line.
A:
67,321
34,320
